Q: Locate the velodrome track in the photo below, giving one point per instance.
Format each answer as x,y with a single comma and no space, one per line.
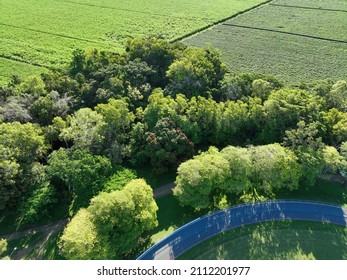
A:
205,227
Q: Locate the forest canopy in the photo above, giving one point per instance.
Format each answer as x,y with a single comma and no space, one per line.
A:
76,136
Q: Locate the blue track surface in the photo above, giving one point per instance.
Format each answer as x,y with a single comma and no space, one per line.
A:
205,227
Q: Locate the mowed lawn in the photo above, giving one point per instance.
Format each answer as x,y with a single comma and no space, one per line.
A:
275,241
44,33
294,40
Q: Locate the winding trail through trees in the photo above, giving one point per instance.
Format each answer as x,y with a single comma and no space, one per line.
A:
163,190
51,229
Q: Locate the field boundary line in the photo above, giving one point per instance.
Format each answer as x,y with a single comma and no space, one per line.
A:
308,8
129,10
285,32
218,22
53,34
26,62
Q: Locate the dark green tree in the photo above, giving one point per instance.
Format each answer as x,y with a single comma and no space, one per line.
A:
159,54
80,173
196,73
167,146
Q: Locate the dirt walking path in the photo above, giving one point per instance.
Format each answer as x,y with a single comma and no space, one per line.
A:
51,229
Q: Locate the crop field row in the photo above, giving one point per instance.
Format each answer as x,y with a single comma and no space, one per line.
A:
8,66
319,4
294,44
324,24
45,32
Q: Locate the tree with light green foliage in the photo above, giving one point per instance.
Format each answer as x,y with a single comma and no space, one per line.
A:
198,180
285,108
261,89
22,147
203,181
307,146
123,216
116,115
84,129
111,227
120,178
3,249
335,123
333,161
34,86
241,168
274,167
80,240
159,106
117,123
337,97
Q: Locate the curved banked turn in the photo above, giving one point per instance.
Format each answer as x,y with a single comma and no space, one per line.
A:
205,227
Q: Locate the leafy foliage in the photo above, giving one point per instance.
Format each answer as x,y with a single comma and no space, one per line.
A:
196,73
121,177
203,181
199,179
35,205
112,224
84,130
167,145
79,172
3,249
21,146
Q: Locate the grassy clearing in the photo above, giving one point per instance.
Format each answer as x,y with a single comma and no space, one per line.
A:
153,180
289,57
47,31
323,190
275,240
170,217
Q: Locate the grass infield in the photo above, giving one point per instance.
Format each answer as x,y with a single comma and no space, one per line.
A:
278,240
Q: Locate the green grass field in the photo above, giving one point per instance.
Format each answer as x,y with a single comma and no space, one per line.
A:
319,4
45,32
325,24
171,216
289,237
275,240
281,40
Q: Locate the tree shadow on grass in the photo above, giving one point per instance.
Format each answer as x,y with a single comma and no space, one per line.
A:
276,240
324,191
171,216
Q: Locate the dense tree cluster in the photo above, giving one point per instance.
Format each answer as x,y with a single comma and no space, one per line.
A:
236,173
204,181
66,136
